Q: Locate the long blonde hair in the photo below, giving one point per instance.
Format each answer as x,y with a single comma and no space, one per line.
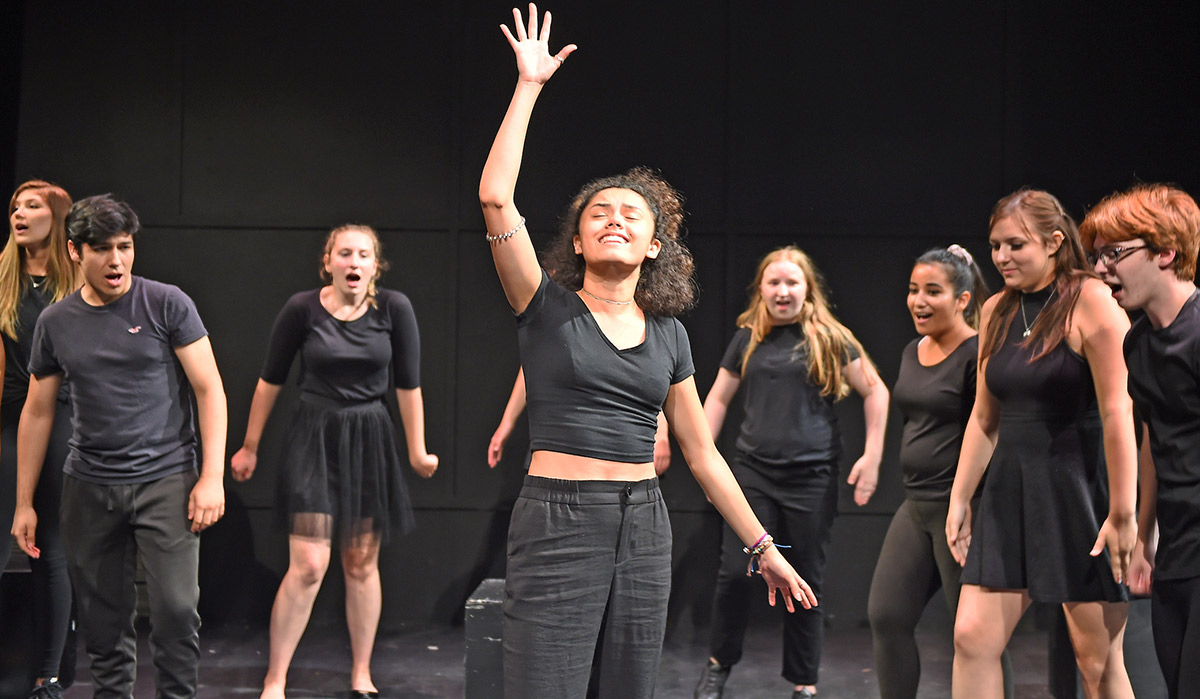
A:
829,342
62,275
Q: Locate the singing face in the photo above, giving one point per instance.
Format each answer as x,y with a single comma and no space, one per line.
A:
30,220
107,268
616,227
783,289
932,302
352,262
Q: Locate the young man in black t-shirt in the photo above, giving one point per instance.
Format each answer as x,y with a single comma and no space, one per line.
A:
133,352
1144,244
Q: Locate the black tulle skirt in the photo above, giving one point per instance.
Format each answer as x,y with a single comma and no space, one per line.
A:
340,473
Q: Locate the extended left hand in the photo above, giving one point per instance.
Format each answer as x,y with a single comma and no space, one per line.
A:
864,477
206,504
1119,536
781,577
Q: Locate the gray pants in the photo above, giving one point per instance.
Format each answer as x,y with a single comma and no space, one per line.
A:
106,529
575,550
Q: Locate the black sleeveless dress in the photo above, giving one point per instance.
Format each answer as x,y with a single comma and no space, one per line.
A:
1046,491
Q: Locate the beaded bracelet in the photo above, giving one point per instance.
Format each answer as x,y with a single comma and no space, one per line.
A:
764,542
501,237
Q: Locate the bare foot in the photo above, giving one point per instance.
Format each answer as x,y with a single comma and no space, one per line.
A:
272,692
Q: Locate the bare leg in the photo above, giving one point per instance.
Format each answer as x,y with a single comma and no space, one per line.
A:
1098,632
364,600
984,623
309,559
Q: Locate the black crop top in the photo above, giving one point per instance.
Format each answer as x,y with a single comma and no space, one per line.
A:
346,359
584,396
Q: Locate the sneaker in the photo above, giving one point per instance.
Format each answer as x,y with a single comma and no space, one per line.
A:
712,680
50,689
803,694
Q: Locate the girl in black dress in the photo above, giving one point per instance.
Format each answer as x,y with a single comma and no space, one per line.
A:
340,475
1052,424
35,271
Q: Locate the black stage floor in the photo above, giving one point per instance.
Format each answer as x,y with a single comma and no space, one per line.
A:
429,662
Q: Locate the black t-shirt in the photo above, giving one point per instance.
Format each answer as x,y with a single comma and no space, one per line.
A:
346,360
586,397
935,403
1164,382
16,352
787,419
133,403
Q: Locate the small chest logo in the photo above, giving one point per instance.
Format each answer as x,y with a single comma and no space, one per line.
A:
135,330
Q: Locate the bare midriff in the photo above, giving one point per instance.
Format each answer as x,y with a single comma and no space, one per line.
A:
554,464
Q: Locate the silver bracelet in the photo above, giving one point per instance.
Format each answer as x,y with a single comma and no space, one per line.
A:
493,239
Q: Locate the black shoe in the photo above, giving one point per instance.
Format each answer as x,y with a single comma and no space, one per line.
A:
50,689
712,680
359,694
803,694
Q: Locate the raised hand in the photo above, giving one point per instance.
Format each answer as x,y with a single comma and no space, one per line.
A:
535,63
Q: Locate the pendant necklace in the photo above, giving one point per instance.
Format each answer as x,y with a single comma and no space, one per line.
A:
1028,326
36,284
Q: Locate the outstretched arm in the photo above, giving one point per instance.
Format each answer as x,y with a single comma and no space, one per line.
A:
245,461
1141,568
33,436
412,414
1103,325
979,441
687,420
206,504
514,256
864,476
513,410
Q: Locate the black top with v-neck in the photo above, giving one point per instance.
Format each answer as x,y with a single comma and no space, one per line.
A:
586,397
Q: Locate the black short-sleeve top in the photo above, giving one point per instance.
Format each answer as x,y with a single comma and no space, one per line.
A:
586,397
787,419
346,360
935,403
1164,382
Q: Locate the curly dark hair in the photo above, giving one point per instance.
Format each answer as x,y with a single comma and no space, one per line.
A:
666,286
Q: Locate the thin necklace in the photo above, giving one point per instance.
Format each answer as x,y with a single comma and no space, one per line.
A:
615,303
1028,327
36,283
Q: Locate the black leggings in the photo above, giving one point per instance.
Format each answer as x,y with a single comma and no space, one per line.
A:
913,564
1175,615
51,586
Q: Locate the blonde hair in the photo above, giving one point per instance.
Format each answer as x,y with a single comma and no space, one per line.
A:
381,264
829,342
62,275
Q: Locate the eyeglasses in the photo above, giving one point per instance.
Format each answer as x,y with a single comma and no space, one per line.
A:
1111,255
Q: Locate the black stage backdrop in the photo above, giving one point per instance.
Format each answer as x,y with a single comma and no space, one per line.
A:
865,133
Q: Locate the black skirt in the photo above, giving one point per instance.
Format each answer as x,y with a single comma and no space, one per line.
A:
340,473
1044,499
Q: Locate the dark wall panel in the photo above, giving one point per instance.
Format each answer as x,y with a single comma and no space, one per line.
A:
324,113
100,108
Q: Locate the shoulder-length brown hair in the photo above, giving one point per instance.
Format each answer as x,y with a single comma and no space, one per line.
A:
665,286
829,342
1039,214
62,276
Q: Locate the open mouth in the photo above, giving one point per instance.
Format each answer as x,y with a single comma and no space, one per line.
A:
613,238
352,277
922,316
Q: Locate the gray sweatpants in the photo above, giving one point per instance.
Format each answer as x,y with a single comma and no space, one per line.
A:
105,529
575,550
